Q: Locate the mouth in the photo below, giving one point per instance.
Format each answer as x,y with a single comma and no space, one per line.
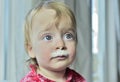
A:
60,54
62,57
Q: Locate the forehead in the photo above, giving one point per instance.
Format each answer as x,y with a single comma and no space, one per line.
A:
47,17
43,16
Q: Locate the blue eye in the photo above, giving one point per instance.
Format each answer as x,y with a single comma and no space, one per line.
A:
47,37
69,36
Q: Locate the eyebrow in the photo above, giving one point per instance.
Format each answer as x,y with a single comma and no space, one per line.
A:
49,26
69,29
43,31
46,28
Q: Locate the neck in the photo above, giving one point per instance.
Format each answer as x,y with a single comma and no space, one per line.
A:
53,75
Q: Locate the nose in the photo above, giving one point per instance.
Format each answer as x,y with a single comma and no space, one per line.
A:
60,44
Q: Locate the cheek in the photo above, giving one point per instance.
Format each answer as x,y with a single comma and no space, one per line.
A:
72,49
73,52
42,51
42,55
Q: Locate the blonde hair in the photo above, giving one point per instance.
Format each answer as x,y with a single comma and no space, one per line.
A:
61,10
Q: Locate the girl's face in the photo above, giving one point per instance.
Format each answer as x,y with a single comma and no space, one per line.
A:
46,38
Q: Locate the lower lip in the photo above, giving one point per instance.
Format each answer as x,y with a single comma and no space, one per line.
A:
61,57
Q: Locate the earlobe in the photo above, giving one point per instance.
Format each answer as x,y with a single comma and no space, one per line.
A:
30,51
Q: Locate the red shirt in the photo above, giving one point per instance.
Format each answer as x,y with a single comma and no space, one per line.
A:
32,76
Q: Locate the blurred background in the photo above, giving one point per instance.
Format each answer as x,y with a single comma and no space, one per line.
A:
98,27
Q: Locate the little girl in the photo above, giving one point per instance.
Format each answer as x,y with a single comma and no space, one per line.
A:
50,41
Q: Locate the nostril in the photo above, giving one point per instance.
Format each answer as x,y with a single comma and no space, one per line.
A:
61,48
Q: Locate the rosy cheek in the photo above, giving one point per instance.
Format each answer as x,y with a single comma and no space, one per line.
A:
46,52
73,54
73,51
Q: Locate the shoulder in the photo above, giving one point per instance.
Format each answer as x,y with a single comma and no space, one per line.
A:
76,76
30,76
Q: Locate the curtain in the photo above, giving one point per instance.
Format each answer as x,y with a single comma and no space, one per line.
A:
2,59
109,30
12,54
117,23
117,30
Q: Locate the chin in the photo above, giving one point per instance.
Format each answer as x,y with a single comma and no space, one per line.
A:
60,67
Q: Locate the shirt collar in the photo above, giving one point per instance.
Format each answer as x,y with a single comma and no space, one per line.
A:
68,73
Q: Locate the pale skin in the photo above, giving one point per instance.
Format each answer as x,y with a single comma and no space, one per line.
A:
47,38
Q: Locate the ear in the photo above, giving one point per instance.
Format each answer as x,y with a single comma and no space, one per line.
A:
30,51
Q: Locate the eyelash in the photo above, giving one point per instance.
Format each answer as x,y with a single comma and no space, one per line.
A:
47,37
66,36
70,37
